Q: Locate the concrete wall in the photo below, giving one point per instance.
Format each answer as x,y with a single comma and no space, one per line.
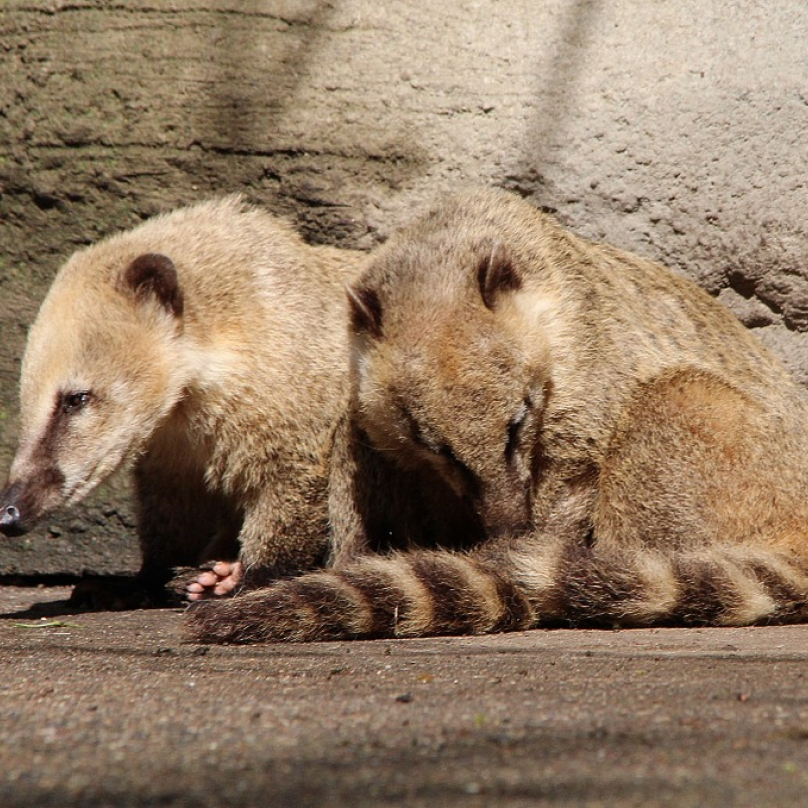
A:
673,129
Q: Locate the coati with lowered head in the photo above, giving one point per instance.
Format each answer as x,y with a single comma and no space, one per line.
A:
634,455
210,346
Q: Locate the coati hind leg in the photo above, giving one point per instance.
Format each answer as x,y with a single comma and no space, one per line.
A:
702,494
696,462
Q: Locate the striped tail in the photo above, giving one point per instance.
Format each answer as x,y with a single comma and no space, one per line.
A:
431,593
631,586
409,595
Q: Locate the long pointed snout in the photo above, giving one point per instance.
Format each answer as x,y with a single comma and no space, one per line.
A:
28,498
12,521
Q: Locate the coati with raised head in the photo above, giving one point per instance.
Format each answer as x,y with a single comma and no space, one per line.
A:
210,346
634,455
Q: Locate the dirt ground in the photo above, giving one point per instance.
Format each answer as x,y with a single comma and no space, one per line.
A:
115,709
675,130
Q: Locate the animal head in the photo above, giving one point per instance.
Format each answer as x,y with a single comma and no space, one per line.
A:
448,372
99,373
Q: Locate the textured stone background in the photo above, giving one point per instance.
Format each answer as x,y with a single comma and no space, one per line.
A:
673,129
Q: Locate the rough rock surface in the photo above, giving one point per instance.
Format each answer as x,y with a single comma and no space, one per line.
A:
676,130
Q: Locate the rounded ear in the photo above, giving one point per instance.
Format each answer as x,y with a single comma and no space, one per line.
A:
154,277
496,273
366,310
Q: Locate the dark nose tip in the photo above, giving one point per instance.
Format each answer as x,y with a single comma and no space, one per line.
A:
10,523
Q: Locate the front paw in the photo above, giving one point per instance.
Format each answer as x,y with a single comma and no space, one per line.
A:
220,579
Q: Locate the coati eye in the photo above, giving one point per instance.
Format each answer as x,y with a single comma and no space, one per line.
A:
74,401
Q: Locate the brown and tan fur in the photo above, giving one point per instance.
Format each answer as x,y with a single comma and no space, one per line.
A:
210,346
633,455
